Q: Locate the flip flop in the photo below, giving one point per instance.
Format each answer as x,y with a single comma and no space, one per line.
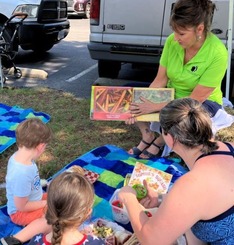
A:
136,151
150,155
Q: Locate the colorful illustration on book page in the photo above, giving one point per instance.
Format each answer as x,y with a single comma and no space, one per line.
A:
111,103
157,179
156,95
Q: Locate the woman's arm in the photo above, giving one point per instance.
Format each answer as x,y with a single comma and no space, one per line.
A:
180,209
147,106
160,81
201,93
212,77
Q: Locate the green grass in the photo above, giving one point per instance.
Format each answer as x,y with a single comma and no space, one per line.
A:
74,133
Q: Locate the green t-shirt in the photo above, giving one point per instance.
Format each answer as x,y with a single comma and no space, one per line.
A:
206,68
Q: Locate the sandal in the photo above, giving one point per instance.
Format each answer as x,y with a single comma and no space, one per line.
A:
151,155
136,151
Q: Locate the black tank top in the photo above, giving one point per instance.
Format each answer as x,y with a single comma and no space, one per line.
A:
230,153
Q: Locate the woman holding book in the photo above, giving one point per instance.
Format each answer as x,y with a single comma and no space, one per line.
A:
193,62
200,204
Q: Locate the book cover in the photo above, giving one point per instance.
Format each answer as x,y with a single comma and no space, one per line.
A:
112,102
157,179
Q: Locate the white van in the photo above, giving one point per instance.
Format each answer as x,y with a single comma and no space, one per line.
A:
134,31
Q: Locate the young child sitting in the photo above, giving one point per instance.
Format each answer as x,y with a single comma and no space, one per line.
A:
25,199
67,208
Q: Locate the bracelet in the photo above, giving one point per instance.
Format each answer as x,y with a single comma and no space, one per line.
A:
160,199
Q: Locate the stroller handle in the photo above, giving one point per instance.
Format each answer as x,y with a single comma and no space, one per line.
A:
19,14
22,17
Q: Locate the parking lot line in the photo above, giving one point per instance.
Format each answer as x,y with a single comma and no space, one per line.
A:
81,74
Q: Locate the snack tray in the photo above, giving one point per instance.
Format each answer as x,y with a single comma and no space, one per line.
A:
118,234
88,226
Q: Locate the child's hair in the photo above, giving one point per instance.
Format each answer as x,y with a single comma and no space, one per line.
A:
187,121
31,132
69,203
191,13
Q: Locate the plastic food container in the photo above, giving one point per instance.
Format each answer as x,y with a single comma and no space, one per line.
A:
120,214
127,178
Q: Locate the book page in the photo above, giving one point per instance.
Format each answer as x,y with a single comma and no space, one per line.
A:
156,95
113,102
157,179
110,103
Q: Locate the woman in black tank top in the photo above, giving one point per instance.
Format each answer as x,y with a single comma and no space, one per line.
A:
201,202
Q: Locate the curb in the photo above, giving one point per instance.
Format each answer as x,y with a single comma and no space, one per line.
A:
31,73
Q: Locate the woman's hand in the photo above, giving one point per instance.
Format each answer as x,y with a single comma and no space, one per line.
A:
126,192
151,200
130,120
146,107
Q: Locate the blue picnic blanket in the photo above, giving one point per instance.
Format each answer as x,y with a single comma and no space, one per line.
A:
10,117
112,163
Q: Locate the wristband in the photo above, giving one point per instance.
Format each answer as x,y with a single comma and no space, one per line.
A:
160,199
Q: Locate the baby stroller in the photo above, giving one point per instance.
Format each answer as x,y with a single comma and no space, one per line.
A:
7,51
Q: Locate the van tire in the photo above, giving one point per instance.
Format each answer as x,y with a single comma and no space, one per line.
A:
108,68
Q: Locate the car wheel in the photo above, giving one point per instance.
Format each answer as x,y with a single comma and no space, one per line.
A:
87,10
42,48
108,68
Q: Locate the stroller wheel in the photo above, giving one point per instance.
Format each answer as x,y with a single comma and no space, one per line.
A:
17,73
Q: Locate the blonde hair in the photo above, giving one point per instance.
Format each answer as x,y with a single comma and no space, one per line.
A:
191,13
31,132
70,199
188,122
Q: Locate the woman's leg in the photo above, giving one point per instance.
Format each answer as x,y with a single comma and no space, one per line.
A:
155,149
148,137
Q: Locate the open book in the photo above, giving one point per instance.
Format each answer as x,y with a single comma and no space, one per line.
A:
157,179
112,102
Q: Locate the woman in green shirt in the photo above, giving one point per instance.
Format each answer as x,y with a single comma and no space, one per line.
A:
193,62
